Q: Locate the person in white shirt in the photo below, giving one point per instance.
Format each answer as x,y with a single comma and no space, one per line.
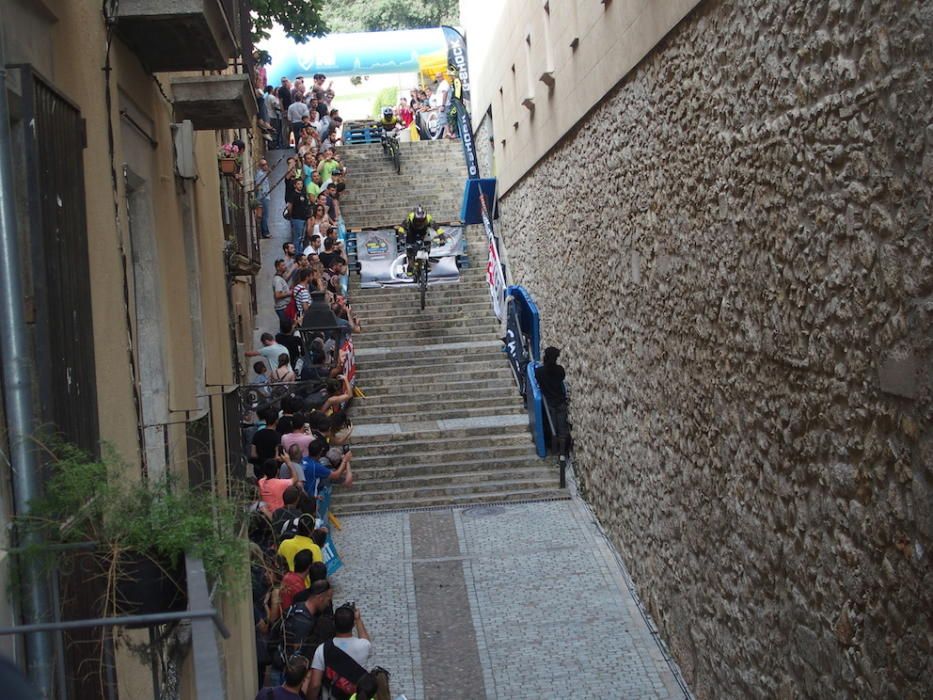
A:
296,112
442,96
358,648
317,245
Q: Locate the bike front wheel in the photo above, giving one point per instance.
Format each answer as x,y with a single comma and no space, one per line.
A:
424,286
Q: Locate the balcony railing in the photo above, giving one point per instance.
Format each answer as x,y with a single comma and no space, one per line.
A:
239,228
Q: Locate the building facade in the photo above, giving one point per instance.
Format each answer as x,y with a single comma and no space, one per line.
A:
138,259
722,210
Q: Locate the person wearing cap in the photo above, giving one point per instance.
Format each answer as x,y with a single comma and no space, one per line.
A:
550,378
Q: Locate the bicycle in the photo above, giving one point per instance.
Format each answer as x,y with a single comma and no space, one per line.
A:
422,263
391,148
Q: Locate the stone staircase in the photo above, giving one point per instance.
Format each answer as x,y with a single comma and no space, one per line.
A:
433,174
442,423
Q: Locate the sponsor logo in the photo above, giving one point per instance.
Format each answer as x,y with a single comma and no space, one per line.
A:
377,247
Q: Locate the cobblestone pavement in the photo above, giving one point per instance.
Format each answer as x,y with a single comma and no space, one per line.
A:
551,615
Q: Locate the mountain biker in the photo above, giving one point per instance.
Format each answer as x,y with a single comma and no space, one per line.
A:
417,226
389,121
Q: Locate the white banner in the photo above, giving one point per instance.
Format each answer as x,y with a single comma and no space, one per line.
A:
496,280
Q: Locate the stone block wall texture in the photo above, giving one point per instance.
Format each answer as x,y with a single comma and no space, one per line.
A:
734,251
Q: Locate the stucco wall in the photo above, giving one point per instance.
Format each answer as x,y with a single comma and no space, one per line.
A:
734,251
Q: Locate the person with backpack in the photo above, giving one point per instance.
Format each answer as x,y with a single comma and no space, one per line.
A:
296,669
338,664
306,624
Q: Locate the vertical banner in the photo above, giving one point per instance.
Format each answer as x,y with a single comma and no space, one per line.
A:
349,368
496,280
457,62
495,275
465,126
515,344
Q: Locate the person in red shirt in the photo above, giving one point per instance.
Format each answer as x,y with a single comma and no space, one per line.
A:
294,581
405,115
272,488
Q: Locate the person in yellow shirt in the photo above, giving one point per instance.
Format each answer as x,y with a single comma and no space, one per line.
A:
302,540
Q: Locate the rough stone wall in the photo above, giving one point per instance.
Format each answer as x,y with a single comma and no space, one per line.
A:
735,253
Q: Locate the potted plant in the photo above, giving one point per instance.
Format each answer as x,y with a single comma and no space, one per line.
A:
229,158
134,535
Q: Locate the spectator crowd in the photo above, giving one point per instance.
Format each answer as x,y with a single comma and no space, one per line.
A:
299,440
299,433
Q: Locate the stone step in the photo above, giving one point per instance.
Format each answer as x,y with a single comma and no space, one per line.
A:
434,362
438,300
437,386
485,496
438,441
434,412
377,335
493,465
447,488
439,394
366,483
475,303
375,387
418,339
438,316
397,455
402,405
417,336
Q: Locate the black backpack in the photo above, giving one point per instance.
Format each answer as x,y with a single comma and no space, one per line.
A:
313,630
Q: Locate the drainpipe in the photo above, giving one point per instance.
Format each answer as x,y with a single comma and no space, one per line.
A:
18,401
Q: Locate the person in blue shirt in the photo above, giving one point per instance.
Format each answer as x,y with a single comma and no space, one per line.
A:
317,475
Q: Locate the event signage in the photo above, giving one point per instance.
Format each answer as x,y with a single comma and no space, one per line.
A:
423,51
457,61
496,280
465,127
515,344
382,260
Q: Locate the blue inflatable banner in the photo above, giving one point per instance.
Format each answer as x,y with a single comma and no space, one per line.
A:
424,51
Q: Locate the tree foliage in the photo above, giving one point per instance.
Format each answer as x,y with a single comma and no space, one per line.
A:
301,19
380,15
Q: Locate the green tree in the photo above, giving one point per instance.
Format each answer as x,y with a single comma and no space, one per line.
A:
387,97
380,15
301,19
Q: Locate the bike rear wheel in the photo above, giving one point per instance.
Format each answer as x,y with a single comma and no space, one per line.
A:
397,159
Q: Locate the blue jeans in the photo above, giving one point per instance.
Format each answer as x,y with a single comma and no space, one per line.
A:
298,234
264,222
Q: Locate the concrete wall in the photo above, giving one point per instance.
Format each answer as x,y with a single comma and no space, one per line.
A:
65,41
734,250
583,48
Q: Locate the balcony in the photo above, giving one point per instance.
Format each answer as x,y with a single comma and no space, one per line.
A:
177,35
239,229
214,101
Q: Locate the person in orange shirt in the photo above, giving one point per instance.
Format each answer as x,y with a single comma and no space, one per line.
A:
272,488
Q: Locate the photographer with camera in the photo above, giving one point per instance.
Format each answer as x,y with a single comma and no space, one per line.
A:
339,664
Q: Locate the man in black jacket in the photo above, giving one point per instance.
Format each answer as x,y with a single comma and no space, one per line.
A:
550,378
